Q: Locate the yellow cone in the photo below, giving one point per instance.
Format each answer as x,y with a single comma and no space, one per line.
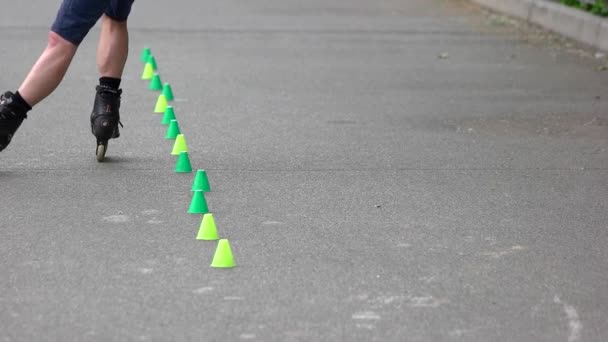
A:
148,72
161,104
180,145
223,255
207,230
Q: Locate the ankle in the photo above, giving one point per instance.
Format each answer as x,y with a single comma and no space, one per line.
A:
16,103
18,100
110,82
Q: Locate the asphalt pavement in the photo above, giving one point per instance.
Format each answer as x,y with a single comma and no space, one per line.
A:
384,170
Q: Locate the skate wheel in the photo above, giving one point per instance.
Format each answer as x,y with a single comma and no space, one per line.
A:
101,151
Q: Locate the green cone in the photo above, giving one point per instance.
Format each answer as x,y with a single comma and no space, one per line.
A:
180,145
223,255
152,61
207,231
172,131
168,116
183,163
147,73
156,84
161,104
198,205
168,92
145,54
201,182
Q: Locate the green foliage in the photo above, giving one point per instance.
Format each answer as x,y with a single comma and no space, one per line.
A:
598,7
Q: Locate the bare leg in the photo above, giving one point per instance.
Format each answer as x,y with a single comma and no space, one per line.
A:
113,47
49,70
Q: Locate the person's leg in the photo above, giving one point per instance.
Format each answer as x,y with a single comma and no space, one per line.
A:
113,47
48,71
112,52
74,20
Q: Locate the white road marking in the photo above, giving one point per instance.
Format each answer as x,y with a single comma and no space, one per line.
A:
366,326
272,223
427,302
499,254
366,315
116,218
202,290
145,270
574,323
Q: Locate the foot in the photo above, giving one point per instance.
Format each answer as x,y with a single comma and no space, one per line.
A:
105,117
11,117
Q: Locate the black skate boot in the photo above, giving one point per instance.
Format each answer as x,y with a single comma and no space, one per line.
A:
11,117
105,118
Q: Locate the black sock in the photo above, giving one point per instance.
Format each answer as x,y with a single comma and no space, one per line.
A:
20,103
110,82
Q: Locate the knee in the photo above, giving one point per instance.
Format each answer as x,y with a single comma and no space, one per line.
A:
113,24
56,41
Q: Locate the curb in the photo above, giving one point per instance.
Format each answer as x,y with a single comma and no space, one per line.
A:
570,22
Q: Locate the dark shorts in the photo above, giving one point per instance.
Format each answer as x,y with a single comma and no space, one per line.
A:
76,17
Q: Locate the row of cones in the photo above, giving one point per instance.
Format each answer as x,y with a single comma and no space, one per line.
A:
223,257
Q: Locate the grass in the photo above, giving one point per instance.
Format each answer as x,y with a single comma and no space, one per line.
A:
597,7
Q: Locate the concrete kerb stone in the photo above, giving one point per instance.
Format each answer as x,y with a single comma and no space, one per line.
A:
570,22
518,8
603,36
